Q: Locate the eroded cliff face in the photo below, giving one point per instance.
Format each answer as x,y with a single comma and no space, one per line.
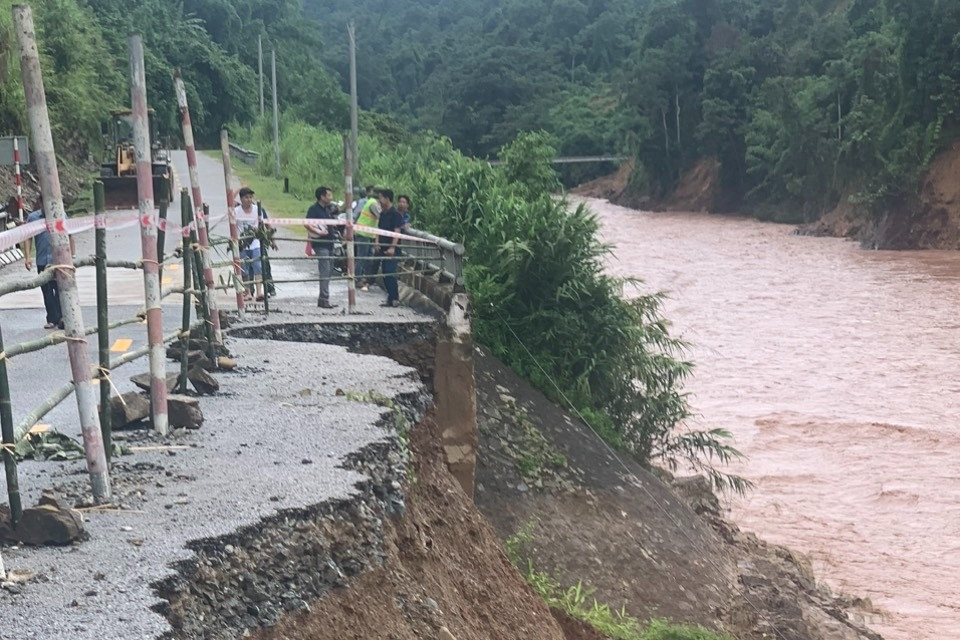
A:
658,546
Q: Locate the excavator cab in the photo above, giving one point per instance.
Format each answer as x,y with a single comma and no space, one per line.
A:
119,172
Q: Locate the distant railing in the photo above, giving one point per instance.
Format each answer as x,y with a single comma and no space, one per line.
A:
245,156
577,159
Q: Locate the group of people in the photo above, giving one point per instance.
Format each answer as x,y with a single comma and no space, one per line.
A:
375,252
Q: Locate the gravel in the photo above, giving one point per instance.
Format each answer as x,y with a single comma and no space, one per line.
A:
237,525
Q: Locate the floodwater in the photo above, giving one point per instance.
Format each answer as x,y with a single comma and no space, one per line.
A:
838,372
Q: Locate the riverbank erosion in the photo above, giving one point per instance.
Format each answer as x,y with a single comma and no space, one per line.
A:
928,220
317,502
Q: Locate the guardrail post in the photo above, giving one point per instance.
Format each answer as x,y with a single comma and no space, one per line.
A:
45,160
148,237
9,440
232,218
103,315
199,207
187,270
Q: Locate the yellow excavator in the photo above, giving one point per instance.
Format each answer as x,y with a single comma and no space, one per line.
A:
119,174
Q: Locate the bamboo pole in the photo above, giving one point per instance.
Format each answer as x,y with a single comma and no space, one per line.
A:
148,237
66,389
347,200
184,340
264,258
59,337
232,216
103,313
9,461
45,160
198,206
162,223
197,265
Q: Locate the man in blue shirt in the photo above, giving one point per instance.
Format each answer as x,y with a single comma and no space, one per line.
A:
44,258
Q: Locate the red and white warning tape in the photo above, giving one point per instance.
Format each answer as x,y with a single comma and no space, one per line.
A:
121,220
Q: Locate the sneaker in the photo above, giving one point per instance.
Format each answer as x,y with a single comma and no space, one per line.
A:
365,288
326,305
391,303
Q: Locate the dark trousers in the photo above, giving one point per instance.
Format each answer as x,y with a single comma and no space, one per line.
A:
389,266
51,298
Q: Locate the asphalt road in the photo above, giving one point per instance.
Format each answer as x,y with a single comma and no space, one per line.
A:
278,408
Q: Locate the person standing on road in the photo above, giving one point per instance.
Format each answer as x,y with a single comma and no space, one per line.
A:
387,247
369,216
250,245
44,258
322,238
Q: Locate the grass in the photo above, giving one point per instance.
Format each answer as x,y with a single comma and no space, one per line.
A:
578,602
270,192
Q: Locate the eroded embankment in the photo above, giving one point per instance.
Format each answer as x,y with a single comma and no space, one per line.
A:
213,526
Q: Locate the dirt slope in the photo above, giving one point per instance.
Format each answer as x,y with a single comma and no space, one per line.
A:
444,568
657,550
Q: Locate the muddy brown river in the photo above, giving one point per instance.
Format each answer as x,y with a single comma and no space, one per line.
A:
838,372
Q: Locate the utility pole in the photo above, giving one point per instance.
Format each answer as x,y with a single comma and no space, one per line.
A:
354,126
260,69
276,118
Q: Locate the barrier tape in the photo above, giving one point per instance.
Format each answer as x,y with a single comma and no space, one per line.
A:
115,221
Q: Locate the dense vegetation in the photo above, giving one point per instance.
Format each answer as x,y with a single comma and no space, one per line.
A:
802,102
214,42
542,300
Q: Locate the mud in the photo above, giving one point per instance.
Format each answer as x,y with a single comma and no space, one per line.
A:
832,367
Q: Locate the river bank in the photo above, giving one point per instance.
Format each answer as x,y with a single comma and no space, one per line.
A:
826,362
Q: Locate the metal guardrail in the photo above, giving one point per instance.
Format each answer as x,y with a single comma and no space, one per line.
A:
245,156
441,254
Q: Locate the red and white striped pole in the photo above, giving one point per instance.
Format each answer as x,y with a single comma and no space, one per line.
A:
198,215
45,158
148,237
232,218
16,177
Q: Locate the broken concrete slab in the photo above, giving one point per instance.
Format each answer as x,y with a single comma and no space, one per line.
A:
142,380
202,381
128,408
46,524
184,411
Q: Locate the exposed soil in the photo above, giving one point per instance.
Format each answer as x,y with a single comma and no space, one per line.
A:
698,188
931,221
660,552
609,187
444,568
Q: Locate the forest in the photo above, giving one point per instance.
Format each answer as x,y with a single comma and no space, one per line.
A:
801,103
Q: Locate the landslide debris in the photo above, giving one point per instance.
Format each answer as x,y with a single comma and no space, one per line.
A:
443,568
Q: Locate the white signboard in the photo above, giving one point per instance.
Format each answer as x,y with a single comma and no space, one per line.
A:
6,150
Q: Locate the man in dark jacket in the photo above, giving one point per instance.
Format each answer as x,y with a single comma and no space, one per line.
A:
387,247
322,238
